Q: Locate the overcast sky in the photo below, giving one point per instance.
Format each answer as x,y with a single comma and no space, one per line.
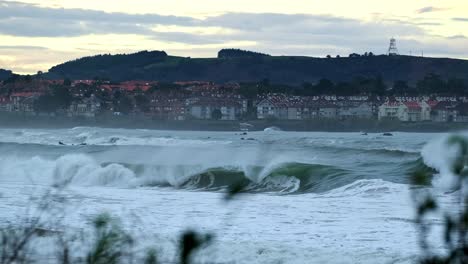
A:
37,34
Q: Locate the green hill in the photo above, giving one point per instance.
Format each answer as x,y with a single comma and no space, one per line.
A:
244,66
5,74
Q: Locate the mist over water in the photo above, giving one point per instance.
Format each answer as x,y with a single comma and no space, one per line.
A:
316,192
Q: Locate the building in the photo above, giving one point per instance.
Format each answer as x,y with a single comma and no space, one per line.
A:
5,104
210,108
302,111
410,111
391,110
86,107
461,113
168,109
353,110
444,112
23,102
328,111
275,106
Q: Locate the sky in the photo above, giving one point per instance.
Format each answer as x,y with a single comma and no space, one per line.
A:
38,34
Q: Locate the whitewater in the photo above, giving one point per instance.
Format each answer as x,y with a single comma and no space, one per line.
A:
308,197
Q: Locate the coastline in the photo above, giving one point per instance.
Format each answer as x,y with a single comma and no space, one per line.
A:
133,122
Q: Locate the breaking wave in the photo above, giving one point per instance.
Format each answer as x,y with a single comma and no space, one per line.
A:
83,170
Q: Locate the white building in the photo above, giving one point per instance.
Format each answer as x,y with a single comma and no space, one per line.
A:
405,111
272,108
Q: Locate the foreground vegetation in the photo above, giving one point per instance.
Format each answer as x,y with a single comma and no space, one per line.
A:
455,225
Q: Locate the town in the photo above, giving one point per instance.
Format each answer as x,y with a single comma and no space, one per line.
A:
365,98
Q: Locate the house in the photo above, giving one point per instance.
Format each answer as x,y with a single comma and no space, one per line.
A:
168,108
86,107
209,108
328,111
408,111
444,112
5,104
350,110
23,102
413,112
273,107
295,108
417,111
461,112
392,110
302,109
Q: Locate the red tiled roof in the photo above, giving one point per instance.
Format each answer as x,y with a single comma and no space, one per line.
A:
24,94
432,103
413,105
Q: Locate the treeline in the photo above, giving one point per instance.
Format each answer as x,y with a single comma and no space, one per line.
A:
238,53
430,84
99,63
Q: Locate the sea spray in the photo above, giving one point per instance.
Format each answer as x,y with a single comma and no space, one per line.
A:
441,155
80,169
74,169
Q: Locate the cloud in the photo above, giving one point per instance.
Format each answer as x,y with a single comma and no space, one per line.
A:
20,19
457,37
429,9
296,30
20,47
460,19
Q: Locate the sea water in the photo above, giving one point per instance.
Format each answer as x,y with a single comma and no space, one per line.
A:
308,197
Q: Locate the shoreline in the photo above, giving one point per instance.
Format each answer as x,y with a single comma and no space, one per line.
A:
371,126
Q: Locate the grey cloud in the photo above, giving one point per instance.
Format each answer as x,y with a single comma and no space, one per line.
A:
429,24
3,47
275,29
460,19
15,9
256,22
19,19
429,9
188,38
457,37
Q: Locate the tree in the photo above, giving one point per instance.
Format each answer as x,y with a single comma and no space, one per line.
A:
400,87
249,90
238,53
62,96
457,86
379,86
432,83
324,86
328,56
142,102
67,82
216,114
57,98
123,103
45,104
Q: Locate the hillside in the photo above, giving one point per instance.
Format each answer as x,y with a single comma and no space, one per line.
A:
5,74
157,65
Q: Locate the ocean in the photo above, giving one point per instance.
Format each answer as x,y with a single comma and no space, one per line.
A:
310,197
